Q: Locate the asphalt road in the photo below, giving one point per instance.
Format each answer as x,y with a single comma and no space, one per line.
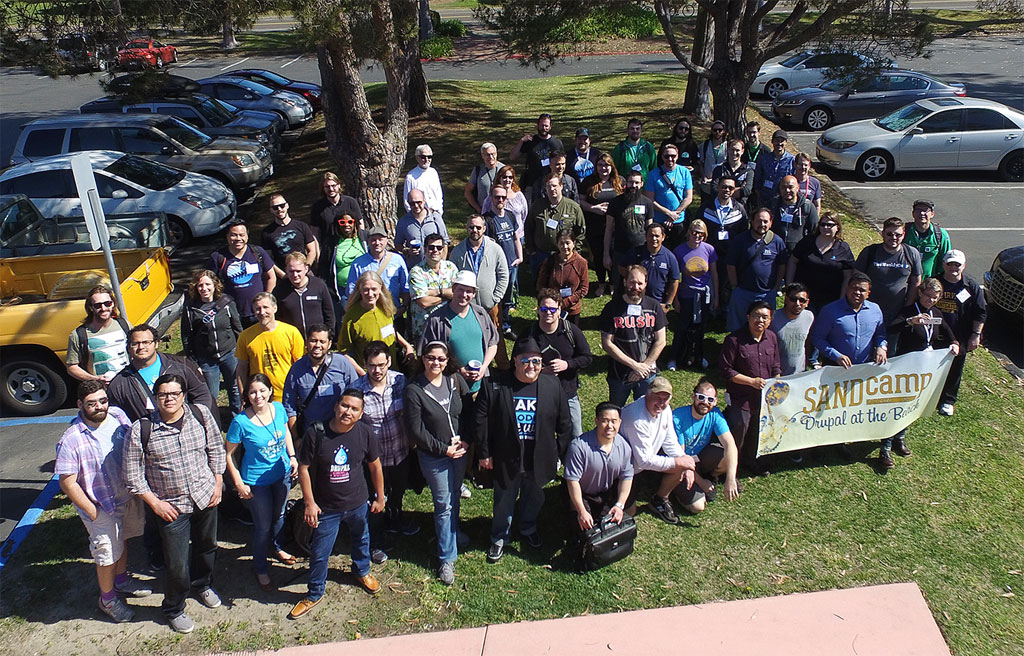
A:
982,214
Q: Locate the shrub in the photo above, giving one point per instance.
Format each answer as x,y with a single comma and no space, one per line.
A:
439,46
451,28
630,22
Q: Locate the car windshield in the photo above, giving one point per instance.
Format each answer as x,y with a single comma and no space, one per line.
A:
184,133
226,105
903,117
255,87
214,113
790,62
145,172
274,77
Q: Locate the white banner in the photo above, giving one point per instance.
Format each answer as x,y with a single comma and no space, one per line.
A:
833,405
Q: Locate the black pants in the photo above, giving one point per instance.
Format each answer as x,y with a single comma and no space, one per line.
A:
688,340
598,505
595,242
956,372
190,548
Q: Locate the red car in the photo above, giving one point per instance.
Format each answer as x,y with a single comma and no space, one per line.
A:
146,52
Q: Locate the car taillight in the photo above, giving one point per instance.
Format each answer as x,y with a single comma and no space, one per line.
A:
961,92
306,93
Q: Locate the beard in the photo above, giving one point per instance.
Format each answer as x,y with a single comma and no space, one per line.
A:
632,196
97,416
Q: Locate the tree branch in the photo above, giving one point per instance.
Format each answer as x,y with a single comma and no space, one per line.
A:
665,18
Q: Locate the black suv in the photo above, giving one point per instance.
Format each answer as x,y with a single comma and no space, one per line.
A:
85,52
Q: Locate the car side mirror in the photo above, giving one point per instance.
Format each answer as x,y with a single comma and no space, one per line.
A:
169,150
799,67
916,130
119,194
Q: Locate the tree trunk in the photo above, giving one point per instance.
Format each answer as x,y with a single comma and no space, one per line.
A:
729,86
426,25
419,93
228,40
698,94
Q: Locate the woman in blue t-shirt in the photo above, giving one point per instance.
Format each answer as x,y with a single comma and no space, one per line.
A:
268,463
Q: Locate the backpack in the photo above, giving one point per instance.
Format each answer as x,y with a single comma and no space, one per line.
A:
146,426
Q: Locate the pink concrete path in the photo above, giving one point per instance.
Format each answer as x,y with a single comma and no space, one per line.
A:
882,620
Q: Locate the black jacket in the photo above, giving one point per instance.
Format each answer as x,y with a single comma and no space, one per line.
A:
128,392
314,306
498,438
203,338
915,338
427,424
566,343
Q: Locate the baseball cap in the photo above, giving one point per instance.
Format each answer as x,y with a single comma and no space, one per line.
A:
781,134
954,256
377,231
660,384
465,278
582,131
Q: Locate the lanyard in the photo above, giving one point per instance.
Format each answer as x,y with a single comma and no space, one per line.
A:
928,328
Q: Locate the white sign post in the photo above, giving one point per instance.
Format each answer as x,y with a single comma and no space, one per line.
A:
95,220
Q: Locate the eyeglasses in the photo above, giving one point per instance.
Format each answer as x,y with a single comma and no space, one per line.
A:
474,227
531,362
892,234
667,156
279,206
436,358
508,177
436,247
549,310
704,398
497,197
416,202
382,365
164,396
828,224
698,233
799,299
426,156
144,342
103,304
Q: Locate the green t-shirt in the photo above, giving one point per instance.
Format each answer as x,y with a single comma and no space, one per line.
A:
467,342
347,252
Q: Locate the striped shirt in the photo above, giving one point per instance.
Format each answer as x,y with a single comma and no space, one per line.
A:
99,474
383,414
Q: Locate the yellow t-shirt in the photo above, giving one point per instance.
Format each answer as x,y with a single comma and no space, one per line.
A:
360,326
270,352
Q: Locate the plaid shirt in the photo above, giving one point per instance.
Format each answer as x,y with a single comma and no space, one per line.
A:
383,414
99,474
178,466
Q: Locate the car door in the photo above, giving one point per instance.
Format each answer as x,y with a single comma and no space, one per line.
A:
809,72
53,192
934,143
987,136
148,143
866,99
116,196
188,114
905,89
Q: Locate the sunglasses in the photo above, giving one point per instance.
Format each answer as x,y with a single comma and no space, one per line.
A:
436,358
346,222
497,197
426,156
799,299
549,310
279,206
704,398
828,224
103,304
436,247
534,362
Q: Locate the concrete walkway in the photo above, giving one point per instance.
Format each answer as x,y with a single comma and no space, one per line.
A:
883,620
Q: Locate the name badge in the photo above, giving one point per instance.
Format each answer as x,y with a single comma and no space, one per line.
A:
963,296
551,224
768,184
566,292
633,311
545,162
252,267
312,298
388,330
663,266
723,235
149,404
640,209
787,217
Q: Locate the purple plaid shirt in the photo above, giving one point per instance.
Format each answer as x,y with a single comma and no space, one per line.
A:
99,474
383,414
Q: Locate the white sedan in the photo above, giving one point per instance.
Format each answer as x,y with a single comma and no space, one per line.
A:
196,205
941,133
804,69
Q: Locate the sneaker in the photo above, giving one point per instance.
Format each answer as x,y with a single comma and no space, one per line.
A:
133,588
378,556
534,540
465,492
369,583
885,460
182,623
495,552
900,447
302,608
671,365
663,509
446,573
117,610
946,409
208,598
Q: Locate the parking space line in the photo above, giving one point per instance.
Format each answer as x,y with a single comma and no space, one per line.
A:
976,229
951,185
183,64
23,421
292,61
235,64
28,520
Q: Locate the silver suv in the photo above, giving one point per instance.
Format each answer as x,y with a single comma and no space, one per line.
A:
239,163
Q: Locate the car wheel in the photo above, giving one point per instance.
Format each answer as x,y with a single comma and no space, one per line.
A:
29,387
818,118
159,62
1011,169
874,165
181,234
101,65
174,56
774,88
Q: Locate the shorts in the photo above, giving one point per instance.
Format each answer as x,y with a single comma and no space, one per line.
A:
707,461
108,533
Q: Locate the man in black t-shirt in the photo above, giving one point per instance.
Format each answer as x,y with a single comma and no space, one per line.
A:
334,492
285,235
633,335
626,222
538,149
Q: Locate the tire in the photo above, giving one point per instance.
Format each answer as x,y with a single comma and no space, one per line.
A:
1011,169
818,118
29,387
875,165
174,57
159,62
181,234
775,87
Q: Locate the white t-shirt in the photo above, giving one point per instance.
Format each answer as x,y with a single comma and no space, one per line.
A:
648,436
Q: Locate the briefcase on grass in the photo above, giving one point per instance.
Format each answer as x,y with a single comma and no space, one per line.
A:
608,542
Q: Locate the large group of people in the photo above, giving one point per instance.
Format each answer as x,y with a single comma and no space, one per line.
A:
349,366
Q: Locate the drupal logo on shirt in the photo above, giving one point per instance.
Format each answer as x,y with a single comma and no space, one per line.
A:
341,457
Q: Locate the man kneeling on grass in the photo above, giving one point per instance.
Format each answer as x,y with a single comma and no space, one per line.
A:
599,471
695,426
334,490
89,466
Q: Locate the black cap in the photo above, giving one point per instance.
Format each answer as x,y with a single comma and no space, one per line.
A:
927,203
582,131
782,134
526,345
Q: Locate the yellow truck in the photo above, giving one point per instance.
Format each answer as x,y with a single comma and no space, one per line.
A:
46,268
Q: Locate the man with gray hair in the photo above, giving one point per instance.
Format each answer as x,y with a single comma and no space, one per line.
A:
424,177
482,178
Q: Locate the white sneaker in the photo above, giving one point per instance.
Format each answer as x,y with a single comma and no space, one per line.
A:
133,588
209,598
946,409
465,492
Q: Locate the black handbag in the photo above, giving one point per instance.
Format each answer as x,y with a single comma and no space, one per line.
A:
608,542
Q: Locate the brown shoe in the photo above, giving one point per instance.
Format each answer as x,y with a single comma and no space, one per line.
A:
369,583
900,447
302,608
885,460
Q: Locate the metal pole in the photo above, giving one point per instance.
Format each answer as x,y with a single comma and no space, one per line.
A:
115,283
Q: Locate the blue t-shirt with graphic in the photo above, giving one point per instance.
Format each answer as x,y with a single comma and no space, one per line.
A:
695,434
266,455
151,373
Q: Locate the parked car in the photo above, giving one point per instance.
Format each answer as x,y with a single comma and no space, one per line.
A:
200,111
280,123
239,163
146,52
252,95
195,205
85,52
1004,282
307,90
805,69
853,98
942,133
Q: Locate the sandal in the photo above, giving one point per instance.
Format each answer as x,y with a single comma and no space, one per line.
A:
286,558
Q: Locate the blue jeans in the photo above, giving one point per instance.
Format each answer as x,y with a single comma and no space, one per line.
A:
530,494
444,476
190,548
576,415
738,304
618,390
225,367
886,445
322,544
267,508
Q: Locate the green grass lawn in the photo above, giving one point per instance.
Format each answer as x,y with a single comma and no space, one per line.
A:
948,518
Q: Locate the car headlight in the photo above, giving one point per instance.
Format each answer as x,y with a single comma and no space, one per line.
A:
842,145
792,103
196,201
289,102
243,160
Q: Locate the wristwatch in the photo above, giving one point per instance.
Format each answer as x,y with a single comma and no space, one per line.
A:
620,505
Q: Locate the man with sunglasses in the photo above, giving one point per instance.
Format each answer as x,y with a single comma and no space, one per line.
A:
523,429
537,148
793,327
670,187
696,426
424,177
285,235
97,349
430,282
963,307
413,228
89,466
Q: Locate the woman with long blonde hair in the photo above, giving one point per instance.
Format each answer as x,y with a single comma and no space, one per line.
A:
369,317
